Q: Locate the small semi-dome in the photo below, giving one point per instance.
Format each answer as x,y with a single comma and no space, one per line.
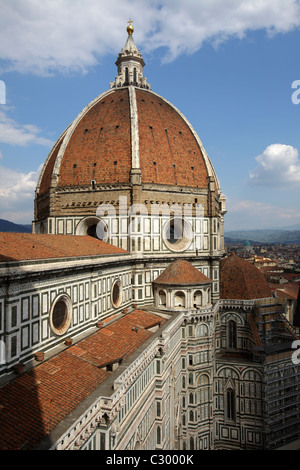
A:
182,285
181,273
240,279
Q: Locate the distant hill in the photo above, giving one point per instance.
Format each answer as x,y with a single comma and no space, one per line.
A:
241,241
264,236
289,227
7,226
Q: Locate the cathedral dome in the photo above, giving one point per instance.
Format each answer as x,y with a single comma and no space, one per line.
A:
239,279
130,148
125,129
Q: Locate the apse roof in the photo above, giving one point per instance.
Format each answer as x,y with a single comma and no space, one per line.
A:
240,279
181,273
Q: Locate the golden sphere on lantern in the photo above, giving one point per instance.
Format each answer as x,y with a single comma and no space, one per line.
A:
130,28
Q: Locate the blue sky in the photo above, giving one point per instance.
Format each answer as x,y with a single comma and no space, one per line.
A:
228,65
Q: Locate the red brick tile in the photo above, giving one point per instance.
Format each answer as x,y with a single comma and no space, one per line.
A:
239,279
24,246
181,272
35,402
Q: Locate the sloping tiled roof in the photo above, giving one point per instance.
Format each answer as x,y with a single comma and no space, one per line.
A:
181,273
289,290
240,279
35,402
27,246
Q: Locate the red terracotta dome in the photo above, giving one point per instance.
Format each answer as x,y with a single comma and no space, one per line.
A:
104,144
181,273
239,279
128,128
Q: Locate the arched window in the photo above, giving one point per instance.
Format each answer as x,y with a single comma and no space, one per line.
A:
197,299
162,298
230,404
126,76
209,296
134,76
202,330
231,335
203,396
179,299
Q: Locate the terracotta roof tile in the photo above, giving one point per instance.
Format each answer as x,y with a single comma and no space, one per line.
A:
240,279
169,152
181,272
101,137
100,145
288,290
35,402
27,246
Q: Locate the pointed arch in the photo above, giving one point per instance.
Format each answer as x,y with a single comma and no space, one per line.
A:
231,335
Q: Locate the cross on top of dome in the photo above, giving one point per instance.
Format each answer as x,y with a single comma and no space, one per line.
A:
130,64
130,28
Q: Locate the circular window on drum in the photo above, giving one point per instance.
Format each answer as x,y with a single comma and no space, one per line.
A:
116,293
93,227
177,234
61,314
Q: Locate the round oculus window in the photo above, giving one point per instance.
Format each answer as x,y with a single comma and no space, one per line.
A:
61,315
116,293
177,234
93,227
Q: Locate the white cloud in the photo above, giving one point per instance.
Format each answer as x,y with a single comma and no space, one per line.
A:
249,214
185,26
15,134
17,194
43,36
15,185
278,166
